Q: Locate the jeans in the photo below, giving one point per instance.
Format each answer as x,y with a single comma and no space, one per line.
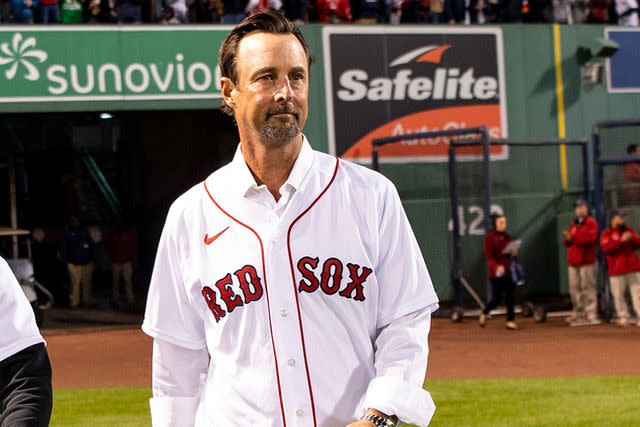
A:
50,13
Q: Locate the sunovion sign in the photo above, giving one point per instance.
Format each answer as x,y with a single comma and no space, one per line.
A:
394,81
67,64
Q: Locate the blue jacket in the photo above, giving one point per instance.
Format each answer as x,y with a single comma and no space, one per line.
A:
21,13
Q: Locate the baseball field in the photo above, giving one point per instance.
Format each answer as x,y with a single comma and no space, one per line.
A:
543,375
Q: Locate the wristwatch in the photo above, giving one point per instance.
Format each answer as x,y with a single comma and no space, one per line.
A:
378,421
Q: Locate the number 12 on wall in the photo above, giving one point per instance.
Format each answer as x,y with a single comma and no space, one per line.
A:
475,216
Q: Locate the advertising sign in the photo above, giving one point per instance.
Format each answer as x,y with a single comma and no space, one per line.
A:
384,81
623,68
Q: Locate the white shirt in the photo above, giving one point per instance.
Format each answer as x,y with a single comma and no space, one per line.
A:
18,329
273,363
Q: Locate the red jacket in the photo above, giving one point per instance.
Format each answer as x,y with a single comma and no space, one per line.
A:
121,246
621,256
339,10
582,245
494,244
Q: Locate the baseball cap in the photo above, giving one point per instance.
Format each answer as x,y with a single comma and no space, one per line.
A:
616,212
581,202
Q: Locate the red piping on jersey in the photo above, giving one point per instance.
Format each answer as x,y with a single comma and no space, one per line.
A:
264,272
295,290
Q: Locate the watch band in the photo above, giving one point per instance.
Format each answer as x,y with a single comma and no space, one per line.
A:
377,420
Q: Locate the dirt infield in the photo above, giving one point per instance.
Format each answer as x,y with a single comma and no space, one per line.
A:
122,358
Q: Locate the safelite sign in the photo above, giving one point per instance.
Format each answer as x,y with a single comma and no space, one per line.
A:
394,81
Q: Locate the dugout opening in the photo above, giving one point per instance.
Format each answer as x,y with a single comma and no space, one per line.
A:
107,168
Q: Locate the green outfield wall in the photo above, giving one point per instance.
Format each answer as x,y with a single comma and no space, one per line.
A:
115,68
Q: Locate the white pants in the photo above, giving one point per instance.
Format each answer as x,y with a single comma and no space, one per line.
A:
619,285
582,287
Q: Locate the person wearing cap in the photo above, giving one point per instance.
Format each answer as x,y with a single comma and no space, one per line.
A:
620,242
580,239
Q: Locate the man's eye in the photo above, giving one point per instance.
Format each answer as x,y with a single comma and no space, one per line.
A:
297,76
266,77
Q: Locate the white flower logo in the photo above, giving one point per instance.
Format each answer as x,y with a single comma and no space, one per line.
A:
18,53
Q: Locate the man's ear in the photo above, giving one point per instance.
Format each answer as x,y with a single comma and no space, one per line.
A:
228,88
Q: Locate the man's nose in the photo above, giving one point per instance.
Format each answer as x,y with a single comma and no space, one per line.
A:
284,91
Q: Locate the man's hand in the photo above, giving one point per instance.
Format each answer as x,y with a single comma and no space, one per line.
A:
361,423
626,236
567,235
500,271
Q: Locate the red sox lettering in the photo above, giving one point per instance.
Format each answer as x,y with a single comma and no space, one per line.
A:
328,278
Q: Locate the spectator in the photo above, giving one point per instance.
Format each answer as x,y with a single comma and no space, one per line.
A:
295,10
129,11
620,242
436,12
369,11
76,251
254,6
179,10
464,11
333,11
415,11
169,16
233,11
627,11
102,11
510,11
22,10
580,239
49,11
5,11
499,264
71,12
598,12
121,248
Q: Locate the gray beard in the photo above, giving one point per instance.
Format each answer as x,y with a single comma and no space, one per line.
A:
281,133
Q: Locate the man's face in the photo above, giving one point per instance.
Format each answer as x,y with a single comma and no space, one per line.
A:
582,211
617,221
270,95
501,224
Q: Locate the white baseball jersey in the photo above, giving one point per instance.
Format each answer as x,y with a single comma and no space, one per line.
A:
292,307
19,329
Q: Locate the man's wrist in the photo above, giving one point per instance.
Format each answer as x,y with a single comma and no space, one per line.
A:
379,418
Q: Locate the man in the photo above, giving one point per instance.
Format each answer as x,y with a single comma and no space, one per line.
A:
76,251
620,243
288,289
25,371
580,239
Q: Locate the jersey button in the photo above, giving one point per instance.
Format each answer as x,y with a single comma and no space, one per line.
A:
299,412
284,313
292,362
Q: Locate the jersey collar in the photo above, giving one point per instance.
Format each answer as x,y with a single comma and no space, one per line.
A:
245,182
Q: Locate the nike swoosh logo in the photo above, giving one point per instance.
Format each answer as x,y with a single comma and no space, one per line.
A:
209,240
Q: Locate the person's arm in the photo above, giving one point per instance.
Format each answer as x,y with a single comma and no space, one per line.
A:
402,352
587,235
170,317
405,302
179,375
488,254
609,245
635,239
25,386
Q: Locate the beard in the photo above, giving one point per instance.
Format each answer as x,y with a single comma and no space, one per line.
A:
281,130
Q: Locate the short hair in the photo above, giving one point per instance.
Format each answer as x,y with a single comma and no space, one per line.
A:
631,148
265,22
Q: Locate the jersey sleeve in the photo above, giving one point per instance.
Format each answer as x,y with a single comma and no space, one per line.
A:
19,328
170,315
403,278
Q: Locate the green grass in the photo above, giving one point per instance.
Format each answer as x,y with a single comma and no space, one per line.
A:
553,402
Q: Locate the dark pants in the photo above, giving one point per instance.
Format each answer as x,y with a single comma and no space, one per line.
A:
50,13
500,285
26,398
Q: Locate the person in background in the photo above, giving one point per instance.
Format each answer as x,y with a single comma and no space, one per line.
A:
627,11
620,242
580,239
499,264
96,11
121,248
22,10
369,12
333,11
76,251
71,12
26,395
129,11
233,11
295,10
436,12
50,11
